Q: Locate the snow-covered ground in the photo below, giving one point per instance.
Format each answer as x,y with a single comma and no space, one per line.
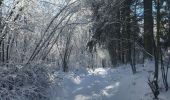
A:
104,84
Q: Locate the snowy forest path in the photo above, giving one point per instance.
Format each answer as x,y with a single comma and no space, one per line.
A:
103,84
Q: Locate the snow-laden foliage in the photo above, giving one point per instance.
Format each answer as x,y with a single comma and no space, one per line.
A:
24,83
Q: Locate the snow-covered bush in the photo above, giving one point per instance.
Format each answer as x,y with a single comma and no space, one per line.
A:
24,83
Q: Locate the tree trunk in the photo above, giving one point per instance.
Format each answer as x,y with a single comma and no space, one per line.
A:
1,27
148,27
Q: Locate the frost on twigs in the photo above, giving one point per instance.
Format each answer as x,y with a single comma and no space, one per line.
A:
23,83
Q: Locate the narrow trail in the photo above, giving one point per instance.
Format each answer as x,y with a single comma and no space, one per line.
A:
103,84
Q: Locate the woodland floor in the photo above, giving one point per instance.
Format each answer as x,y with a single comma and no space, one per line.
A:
105,84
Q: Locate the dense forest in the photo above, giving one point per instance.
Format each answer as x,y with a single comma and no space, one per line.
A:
46,44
